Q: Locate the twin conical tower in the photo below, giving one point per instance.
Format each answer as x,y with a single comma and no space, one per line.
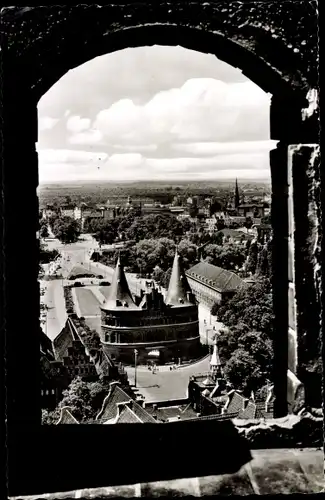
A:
179,292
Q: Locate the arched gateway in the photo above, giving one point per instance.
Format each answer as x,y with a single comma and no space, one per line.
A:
275,45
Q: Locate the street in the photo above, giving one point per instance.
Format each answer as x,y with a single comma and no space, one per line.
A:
166,384
56,314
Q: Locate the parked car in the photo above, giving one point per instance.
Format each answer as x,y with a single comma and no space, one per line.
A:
78,283
104,283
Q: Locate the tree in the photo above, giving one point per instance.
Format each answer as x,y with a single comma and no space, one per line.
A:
228,256
220,223
66,229
248,223
245,344
264,260
251,305
44,232
83,398
166,278
188,252
252,257
244,372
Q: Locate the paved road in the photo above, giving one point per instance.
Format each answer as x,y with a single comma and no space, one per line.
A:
166,384
56,314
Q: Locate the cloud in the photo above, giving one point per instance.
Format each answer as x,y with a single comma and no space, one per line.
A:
144,148
202,109
77,124
216,148
47,123
149,112
135,73
54,156
86,138
71,164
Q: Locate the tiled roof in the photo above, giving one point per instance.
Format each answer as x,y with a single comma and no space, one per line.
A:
233,233
261,408
184,412
141,413
46,346
109,407
62,342
250,412
128,417
251,205
132,412
216,277
103,364
225,416
237,403
66,417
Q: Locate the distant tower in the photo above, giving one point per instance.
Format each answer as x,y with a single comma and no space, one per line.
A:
237,200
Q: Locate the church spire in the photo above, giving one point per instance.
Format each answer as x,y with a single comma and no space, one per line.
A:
237,201
179,291
119,295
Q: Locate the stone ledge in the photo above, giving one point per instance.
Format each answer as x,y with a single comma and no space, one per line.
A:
289,431
277,471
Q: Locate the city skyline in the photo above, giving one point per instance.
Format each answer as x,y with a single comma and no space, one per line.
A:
168,112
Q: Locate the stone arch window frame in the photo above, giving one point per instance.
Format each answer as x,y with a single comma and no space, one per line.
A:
22,101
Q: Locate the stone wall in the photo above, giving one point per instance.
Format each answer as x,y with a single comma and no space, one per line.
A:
305,306
292,431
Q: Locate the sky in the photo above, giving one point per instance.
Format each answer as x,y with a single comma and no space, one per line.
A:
154,113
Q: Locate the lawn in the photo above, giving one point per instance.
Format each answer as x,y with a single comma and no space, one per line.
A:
87,301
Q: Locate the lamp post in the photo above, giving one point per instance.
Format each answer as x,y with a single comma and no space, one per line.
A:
135,367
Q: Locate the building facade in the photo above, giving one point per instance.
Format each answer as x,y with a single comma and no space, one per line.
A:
211,284
161,330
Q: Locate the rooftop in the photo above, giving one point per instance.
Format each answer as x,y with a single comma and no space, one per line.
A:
109,409
216,277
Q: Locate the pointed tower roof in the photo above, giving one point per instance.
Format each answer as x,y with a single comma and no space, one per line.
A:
179,291
215,360
237,199
119,294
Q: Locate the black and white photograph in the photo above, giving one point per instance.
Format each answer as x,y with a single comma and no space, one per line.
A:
177,247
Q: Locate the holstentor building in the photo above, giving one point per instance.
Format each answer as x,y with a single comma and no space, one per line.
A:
160,329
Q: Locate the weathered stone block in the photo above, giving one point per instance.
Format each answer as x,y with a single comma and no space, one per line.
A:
292,308
292,350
